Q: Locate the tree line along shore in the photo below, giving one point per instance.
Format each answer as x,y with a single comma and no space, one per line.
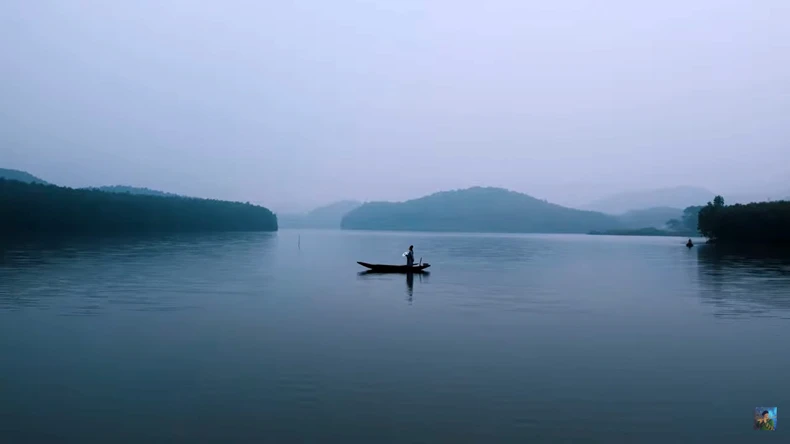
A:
39,208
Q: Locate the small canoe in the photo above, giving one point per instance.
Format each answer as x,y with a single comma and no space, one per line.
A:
380,268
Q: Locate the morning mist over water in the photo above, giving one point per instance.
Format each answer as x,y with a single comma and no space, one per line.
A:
245,337
207,209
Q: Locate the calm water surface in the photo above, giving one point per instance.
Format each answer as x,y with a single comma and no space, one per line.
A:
522,338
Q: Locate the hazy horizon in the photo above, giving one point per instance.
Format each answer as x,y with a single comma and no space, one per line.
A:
302,104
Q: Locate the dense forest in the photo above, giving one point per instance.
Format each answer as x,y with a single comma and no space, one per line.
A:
492,210
762,222
133,190
49,209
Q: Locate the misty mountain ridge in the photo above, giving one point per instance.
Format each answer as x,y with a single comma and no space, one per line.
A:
680,197
21,176
327,216
672,197
746,198
655,217
634,209
477,209
24,176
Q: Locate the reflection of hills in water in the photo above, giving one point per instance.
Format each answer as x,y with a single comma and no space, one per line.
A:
141,272
745,281
42,249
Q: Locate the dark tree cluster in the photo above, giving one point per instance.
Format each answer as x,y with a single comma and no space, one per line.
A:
49,209
133,190
762,222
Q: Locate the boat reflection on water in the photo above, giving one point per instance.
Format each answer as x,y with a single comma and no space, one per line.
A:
410,284
390,276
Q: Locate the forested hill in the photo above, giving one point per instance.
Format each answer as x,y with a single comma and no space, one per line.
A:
754,223
133,190
477,209
48,209
21,176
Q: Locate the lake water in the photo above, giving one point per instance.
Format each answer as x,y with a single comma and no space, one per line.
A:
511,338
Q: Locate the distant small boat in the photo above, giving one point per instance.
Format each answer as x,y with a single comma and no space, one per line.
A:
381,268
689,244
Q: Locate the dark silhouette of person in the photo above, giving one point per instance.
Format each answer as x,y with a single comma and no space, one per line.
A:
410,256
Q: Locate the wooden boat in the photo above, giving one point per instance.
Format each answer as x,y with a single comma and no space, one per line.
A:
381,268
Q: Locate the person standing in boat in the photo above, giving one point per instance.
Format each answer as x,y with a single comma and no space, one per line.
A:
410,256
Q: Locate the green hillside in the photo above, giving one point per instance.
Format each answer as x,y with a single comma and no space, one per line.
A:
21,176
133,190
49,209
477,210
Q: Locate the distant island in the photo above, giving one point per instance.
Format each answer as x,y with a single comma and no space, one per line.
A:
328,216
20,176
35,208
754,223
649,231
478,209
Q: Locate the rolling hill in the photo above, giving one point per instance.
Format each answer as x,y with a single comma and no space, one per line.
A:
38,209
477,209
21,176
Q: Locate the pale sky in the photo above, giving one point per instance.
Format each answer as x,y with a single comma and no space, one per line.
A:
293,104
